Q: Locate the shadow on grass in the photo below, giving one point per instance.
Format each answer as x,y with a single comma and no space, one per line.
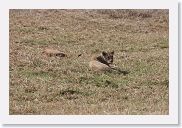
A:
123,72
119,71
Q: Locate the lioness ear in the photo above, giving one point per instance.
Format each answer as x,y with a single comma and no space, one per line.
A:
104,53
112,52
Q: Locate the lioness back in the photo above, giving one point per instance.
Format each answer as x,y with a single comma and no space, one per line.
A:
98,66
53,52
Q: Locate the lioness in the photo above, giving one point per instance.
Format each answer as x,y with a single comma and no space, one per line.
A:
53,52
102,62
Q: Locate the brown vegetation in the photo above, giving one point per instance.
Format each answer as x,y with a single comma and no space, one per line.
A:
47,85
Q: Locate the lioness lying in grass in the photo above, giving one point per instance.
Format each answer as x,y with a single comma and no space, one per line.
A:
102,62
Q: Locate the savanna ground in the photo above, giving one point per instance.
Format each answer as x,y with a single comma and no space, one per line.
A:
49,85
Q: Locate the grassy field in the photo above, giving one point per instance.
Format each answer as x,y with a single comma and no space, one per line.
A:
49,85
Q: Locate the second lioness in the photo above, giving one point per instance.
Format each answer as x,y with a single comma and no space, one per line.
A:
102,62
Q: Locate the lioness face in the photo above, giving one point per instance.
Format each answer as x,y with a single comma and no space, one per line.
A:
108,56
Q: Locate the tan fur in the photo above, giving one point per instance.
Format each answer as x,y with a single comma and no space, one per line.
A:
97,65
53,52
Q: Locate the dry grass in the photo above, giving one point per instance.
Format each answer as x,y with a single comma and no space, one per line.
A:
48,85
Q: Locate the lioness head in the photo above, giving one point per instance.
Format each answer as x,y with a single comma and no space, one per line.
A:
108,56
